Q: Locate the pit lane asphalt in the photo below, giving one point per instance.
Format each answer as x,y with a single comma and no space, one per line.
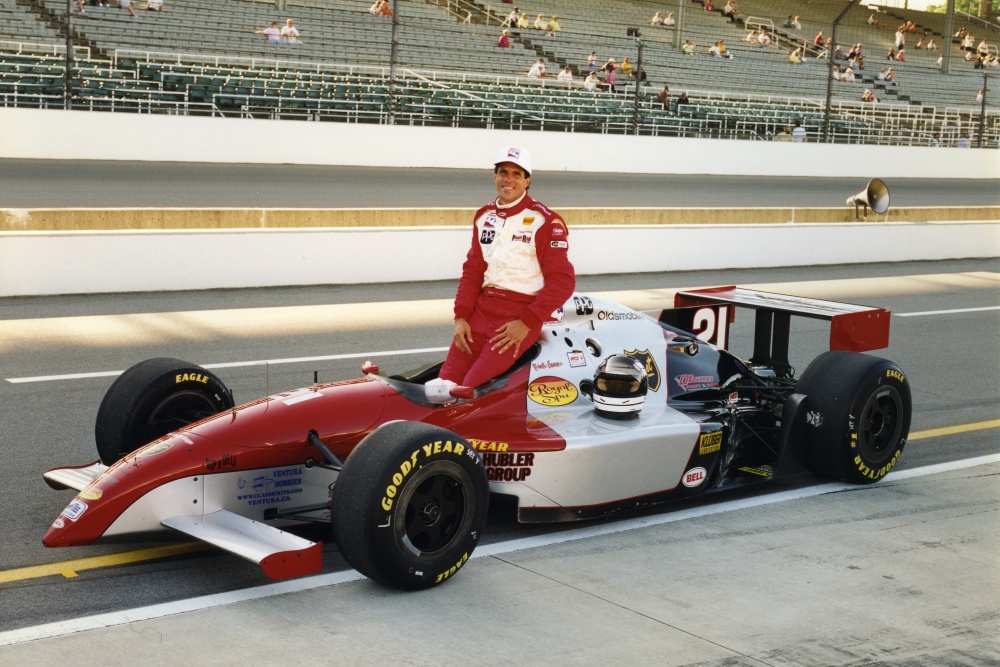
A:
660,592
103,184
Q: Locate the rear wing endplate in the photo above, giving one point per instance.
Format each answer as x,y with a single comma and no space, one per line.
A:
854,328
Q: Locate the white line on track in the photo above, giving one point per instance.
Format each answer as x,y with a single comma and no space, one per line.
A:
361,355
947,312
238,364
111,619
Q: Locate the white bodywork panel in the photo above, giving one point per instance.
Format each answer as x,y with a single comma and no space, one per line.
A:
252,540
76,478
605,460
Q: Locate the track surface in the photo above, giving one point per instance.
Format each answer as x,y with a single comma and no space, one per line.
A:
949,356
87,184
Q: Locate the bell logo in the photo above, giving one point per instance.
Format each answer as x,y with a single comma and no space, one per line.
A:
694,477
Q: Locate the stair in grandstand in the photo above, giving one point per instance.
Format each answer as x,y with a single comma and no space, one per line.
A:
58,24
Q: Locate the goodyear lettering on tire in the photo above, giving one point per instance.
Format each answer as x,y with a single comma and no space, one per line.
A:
421,453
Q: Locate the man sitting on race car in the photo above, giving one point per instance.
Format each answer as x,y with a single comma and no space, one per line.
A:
516,274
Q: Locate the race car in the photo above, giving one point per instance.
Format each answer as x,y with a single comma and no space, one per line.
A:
611,410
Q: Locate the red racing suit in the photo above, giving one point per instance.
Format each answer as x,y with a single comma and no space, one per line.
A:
517,268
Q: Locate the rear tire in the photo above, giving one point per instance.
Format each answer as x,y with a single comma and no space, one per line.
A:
153,398
409,505
857,416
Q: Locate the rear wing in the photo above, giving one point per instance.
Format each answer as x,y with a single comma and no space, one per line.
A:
854,328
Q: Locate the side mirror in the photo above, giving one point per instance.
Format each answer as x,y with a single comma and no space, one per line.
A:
368,368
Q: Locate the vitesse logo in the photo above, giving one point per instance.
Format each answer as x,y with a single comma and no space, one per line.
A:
652,370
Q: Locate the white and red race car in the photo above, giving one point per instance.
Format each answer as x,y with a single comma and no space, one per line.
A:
409,502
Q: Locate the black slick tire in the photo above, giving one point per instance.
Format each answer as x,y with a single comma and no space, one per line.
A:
153,398
857,416
409,505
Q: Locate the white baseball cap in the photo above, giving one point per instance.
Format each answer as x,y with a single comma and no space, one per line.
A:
519,156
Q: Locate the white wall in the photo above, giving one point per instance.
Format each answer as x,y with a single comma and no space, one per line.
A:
36,263
81,135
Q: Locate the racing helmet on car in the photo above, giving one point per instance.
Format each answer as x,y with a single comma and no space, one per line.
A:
620,387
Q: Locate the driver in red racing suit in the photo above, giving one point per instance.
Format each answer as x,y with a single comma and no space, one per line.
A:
516,274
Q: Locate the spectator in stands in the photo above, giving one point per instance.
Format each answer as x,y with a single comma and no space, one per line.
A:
537,70
540,22
611,81
657,19
553,26
868,96
940,60
272,33
969,56
627,68
591,82
835,74
874,22
714,50
979,97
890,77
848,76
709,7
980,62
669,21
798,133
750,37
920,44
901,56
796,24
511,21
722,49
127,6
969,42
522,23
818,40
961,33
592,59
932,45
795,56
154,5
290,33
664,97
763,38
881,75
788,21
689,47
504,41
610,66
838,53
565,75
385,9
731,10
682,101
935,141
993,61
891,55
900,40
983,49
963,142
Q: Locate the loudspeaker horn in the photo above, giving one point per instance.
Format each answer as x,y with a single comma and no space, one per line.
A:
875,196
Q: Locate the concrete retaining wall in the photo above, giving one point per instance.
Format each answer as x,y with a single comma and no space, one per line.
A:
38,263
81,135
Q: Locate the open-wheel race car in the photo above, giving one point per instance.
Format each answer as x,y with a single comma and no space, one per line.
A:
610,410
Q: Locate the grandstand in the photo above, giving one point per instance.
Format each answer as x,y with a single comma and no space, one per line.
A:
201,57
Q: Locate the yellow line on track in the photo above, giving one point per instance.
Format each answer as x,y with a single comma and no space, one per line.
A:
952,430
70,568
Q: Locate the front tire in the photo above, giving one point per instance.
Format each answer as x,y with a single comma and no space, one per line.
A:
857,416
410,504
153,398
